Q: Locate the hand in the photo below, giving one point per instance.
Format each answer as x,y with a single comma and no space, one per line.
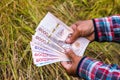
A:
82,29
71,66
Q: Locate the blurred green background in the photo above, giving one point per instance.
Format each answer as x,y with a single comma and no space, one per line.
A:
18,21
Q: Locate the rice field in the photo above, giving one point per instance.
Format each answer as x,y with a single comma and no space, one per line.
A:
18,21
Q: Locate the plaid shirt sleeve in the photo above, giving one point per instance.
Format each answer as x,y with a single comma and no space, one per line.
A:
91,69
107,28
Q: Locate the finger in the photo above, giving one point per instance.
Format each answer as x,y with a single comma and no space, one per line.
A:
72,38
66,65
73,26
69,62
78,22
74,35
70,54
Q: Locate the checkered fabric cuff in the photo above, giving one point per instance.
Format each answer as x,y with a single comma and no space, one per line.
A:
86,69
107,28
91,69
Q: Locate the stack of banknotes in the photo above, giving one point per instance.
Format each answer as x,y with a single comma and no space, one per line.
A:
48,43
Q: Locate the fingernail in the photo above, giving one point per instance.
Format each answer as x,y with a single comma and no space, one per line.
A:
67,50
68,40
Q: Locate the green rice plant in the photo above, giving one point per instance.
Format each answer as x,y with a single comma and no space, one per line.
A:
18,21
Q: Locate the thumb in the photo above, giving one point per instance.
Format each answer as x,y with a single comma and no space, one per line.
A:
70,54
73,37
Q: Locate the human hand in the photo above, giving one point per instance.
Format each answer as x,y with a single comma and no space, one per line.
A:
71,66
82,29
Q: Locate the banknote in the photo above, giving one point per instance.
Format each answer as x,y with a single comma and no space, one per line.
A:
53,27
58,32
42,39
47,50
46,63
48,43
